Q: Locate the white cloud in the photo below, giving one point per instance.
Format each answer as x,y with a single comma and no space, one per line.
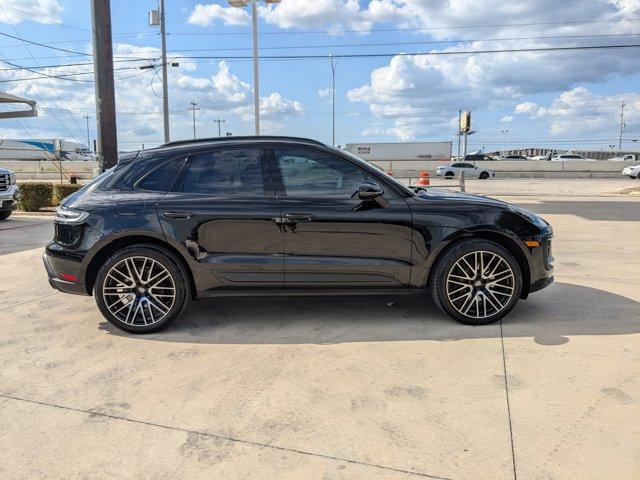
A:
274,106
206,15
41,11
526,107
324,93
506,119
582,112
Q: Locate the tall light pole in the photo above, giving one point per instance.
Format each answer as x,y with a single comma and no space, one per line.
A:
86,117
504,139
157,18
333,100
256,80
193,108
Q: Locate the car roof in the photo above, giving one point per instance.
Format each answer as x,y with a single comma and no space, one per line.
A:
203,143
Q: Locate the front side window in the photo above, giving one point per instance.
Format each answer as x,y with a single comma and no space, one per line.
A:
224,172
307,173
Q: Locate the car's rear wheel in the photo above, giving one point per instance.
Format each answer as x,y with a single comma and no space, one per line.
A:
5,215
448,175
476,282
484,175
141,289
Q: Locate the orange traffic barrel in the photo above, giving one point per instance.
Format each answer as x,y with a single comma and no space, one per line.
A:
423,181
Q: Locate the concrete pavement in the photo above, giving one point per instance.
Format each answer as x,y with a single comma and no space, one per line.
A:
336,388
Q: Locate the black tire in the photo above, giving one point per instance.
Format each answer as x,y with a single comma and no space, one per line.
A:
444,266
449,175
178,280
4,215
484,175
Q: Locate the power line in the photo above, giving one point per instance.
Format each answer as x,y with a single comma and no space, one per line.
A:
410,54
68,76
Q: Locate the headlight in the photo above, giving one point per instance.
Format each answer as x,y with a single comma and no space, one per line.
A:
530,216
70,216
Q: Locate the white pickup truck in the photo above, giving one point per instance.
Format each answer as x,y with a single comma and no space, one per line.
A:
9,193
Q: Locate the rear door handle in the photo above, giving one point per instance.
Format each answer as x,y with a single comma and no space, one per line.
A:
179,215
300,217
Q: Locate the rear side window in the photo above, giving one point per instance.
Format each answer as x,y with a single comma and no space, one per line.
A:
161,179
223,172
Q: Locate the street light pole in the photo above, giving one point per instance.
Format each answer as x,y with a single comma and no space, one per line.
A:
504,139
165,80
256,79
256,83
621,125
333,100
86,117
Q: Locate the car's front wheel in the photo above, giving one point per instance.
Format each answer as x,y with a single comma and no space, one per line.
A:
448,175
476,282
4,215
141,289
484,175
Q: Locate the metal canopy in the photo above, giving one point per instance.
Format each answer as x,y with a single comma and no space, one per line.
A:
8,98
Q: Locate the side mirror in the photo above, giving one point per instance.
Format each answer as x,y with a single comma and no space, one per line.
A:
370,191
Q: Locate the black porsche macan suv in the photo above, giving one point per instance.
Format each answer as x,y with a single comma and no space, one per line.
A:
285,216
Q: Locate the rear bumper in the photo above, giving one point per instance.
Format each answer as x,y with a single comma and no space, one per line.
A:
56,267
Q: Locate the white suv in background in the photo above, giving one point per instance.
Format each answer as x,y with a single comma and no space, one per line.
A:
631,172
9,193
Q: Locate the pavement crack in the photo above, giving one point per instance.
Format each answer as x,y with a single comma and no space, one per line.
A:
226,438
28,301
506,392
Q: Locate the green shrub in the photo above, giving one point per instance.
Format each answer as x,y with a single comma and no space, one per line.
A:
60,192
34,196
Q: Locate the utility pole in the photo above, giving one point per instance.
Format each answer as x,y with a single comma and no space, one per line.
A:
103,73
504,139
86,117
621,125
218,121
333,100
165,80
193,108
256,81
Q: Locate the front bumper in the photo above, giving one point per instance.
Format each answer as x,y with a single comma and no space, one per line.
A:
9,198
541,264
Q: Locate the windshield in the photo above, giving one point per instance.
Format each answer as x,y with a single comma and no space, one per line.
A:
388,178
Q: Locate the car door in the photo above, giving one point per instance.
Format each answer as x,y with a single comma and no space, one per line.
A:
332,239
221,210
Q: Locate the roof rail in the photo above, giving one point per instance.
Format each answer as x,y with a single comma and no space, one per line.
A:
240,138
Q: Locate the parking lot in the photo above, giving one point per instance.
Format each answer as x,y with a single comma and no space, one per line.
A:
338,388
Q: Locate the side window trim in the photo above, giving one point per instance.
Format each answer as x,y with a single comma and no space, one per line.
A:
267,181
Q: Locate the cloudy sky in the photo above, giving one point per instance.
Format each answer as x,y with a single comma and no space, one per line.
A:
566,98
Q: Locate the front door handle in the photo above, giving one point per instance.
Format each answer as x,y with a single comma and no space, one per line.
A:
300,217
179,215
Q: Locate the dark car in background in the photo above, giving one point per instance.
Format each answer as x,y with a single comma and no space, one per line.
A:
280,216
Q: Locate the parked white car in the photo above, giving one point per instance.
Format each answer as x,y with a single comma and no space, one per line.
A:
631,172
451,170
570,157
630,157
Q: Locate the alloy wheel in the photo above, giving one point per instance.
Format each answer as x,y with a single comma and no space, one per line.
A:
139,291
480,284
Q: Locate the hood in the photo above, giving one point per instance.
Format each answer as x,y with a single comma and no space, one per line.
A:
5,170
441,194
